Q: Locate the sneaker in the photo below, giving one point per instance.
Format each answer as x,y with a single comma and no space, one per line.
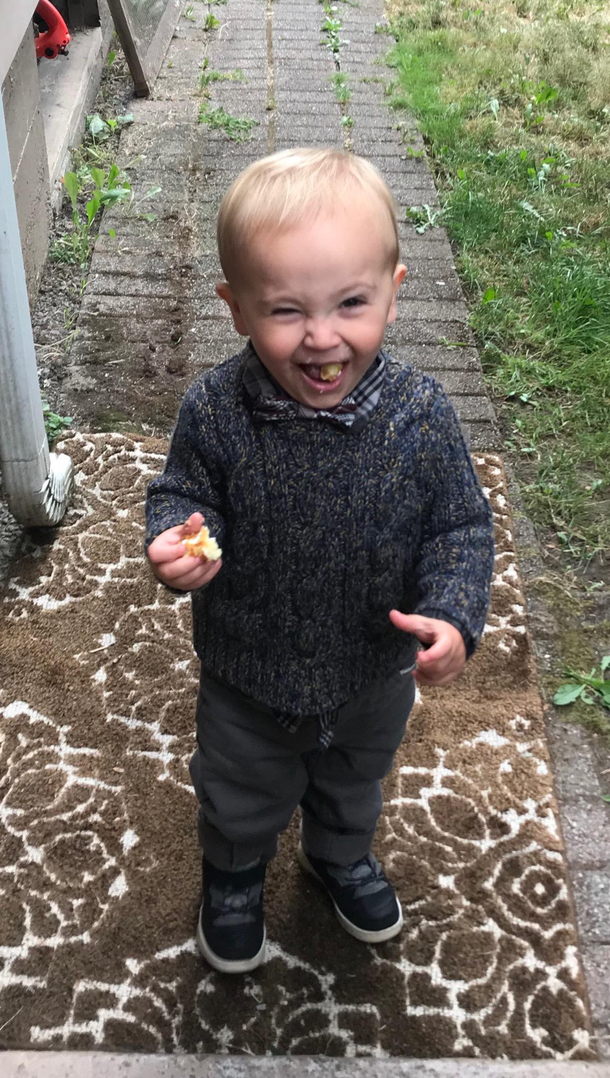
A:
363,897
231,929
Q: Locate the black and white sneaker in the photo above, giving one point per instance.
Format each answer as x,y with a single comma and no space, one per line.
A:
363,897
231,929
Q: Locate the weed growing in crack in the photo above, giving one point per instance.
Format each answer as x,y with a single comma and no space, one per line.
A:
341,87
237,128
590,688
206,77
332,26
100,130
423,217
108,189
211,21
54,424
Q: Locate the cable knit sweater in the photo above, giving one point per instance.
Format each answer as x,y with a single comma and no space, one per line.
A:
324,530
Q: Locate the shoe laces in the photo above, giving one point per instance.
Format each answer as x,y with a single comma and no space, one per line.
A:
365,876
233,904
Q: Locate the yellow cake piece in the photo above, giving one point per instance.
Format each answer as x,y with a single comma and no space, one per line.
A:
202,545
330,371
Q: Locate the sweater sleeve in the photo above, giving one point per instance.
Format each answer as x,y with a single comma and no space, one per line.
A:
454,571
189,482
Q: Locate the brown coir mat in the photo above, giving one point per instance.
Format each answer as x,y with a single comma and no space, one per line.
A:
99,865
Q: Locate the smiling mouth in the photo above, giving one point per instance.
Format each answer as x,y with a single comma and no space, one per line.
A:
326,375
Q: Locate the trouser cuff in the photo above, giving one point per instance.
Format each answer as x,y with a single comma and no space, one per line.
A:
234,856
328,845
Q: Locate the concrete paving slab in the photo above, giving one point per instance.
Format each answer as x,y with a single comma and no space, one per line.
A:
585,822
593,901
482,436
431,288
435,360
411,331
461,384
109,1065
473,408
596,962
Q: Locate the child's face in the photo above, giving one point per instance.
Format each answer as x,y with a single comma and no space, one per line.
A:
318,294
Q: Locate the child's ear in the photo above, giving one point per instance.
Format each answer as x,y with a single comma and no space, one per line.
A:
398,277
225,292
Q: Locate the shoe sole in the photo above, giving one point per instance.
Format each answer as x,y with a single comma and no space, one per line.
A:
359,933
227,965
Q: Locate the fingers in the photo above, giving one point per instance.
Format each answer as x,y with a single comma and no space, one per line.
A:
436,655
444,659
210,569
202,575
189,582
439,669
192,526
187,573
434,678
167,547
425,629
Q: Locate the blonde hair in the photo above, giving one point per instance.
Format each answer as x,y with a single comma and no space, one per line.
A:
282,190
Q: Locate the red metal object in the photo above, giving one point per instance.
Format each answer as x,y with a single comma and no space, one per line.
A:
57,37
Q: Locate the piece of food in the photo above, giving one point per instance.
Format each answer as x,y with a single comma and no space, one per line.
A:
330,371
202,545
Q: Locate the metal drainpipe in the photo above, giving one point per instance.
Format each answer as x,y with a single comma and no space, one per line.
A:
37,483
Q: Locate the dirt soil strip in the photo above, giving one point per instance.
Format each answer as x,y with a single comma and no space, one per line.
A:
99,866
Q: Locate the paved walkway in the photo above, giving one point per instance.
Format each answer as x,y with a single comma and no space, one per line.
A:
106,1065
150,320
150,314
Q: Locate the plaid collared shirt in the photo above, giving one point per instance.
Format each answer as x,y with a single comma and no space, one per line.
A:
272,403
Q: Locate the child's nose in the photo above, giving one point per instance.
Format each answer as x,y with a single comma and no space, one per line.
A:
320,334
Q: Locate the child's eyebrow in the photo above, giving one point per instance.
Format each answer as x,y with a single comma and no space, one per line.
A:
359,286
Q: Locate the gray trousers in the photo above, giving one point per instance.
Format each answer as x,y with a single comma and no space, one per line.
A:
250,774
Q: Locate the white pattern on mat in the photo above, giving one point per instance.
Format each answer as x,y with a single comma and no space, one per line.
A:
58,790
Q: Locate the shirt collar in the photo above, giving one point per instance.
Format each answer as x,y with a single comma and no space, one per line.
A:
271,402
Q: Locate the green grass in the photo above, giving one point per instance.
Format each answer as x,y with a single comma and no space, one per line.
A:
515,113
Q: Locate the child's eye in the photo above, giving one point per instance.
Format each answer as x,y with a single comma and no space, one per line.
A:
353,301
284,310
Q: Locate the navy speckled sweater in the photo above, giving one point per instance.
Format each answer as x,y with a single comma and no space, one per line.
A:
324,530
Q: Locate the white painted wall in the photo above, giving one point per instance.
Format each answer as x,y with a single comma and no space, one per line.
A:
14,18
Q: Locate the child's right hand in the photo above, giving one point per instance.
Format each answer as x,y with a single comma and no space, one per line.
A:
175,568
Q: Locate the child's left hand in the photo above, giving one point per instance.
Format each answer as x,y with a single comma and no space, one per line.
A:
445,658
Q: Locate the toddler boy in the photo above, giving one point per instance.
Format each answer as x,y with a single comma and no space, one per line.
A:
338,484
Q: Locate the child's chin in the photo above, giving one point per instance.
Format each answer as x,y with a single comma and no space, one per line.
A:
322,400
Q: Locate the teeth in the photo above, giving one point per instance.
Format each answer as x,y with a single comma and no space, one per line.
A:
330,371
